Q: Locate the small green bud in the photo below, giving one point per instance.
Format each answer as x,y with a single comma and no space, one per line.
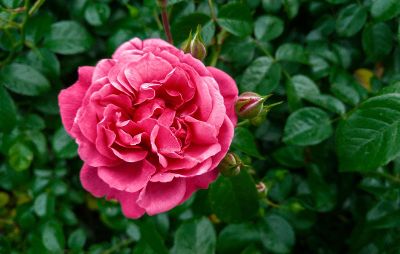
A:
261,189
197,48
249,105
230,165
186,44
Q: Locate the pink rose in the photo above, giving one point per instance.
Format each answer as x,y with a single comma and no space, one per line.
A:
152,124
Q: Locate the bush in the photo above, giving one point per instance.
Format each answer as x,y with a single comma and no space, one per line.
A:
322,170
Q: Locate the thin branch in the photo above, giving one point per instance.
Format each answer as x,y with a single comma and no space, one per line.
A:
165,21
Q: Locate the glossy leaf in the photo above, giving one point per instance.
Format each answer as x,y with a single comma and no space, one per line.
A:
23,79
292,52
8,111
236,19
350,20
67,38
197,236
234,199
245,142
277,234
307,126
369,138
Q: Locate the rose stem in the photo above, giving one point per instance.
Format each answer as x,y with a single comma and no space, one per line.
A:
164,16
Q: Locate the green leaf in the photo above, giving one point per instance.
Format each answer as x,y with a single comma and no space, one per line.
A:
323,194
294,101
236,19
385,214
291,8
290,156
328,102
279,183
272,5
67,38
44,205
234,199
20,156
304,87
23,79
133,231
307,126
238,50
63,145
350,20
261,76
151,238
277,234
37,27
195,237
394,88
44,61
267,28
345,89
183,25
53,237
235,237
8,111
77,239
245,142
385,9
97,14
369,138
377,40
292,52
40,204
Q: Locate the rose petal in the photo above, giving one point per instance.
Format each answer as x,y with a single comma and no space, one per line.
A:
102,68
129,205
225,137
89,154
129,154
135,43
147,69
130,177
160,197
92,182
199,182
70,99
229,91
202,133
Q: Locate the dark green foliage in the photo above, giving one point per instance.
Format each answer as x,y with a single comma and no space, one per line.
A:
328,158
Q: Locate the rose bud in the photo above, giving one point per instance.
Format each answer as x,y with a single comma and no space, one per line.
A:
186,44
261,189
230,165
197,48
260,118
249,104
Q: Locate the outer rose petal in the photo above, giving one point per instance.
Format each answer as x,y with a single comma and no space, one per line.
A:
130,177
229,91
92,182
199,182
225,137
129,204
70,99
135,43
160,197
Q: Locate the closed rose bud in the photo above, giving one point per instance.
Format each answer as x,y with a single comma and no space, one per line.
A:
249,105
186,44
230,165
197,48
261,188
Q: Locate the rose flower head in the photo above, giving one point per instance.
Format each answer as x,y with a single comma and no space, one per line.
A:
152,124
